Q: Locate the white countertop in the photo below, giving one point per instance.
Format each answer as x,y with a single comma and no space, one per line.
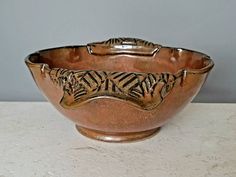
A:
36,141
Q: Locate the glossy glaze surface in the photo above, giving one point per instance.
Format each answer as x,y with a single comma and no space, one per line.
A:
120,87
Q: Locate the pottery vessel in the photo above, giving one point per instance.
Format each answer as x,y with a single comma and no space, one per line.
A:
122,89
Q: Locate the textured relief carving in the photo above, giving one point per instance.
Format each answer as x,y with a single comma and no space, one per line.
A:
128,41
145,90
123,46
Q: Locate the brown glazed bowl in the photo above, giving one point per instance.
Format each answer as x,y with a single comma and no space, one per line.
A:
122,89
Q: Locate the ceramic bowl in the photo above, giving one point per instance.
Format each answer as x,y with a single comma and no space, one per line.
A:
122,89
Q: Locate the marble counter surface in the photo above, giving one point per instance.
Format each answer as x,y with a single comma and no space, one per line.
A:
36,141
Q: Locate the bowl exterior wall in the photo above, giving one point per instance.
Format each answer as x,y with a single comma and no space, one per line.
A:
119,115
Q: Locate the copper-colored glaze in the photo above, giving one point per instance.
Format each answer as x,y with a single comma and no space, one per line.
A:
122,89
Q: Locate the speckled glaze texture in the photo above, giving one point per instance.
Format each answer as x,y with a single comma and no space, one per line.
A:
122,89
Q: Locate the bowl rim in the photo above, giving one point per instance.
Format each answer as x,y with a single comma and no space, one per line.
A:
205,69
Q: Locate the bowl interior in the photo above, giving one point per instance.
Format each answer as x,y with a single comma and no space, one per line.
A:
166,60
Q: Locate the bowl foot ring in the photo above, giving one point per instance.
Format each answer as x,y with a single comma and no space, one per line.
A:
117,137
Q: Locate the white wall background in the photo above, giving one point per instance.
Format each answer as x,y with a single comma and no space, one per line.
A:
29,25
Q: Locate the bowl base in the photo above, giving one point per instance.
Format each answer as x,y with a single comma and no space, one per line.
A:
117,137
